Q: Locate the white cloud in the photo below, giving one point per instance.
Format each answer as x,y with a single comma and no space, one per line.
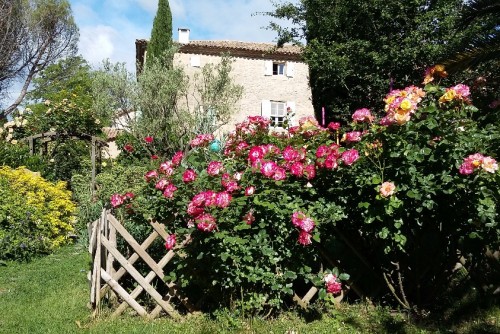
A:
97,43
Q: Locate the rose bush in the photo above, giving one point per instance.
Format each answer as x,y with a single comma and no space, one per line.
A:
273,211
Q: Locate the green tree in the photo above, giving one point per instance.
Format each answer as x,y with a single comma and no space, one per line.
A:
161,35
69,78
51,34
358,50
166,104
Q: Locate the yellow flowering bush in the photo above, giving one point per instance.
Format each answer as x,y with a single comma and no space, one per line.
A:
36,216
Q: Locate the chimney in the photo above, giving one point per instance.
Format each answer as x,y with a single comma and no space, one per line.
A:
183,35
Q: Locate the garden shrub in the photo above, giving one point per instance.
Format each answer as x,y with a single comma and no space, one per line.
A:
397,200
36,216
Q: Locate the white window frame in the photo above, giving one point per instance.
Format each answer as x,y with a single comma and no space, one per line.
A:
279,68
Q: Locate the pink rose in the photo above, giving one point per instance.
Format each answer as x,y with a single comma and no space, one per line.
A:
161,184
333,126
268,168
116,200
222,199
170,242
169,190
214,168
362,115
249,191
304,238
148,139
297,169
177,158
128,147
279,174
167,168
205,222
332,285
256,153
353,136
310,171
189,176
152,174
350,156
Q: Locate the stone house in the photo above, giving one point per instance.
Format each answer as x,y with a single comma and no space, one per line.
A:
273,79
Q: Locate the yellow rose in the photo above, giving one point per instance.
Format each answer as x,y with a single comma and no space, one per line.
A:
405,104
448,96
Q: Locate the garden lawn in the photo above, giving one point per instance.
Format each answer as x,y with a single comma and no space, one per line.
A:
50,295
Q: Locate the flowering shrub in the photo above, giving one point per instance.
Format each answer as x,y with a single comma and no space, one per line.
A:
36,216
271,210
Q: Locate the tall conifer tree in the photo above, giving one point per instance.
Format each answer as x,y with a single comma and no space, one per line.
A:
161,36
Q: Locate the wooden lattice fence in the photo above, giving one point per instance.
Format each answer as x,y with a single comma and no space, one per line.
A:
109,265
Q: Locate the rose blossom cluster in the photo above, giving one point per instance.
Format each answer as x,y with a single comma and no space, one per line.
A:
196,208
401,104
478,161
201,140
329,156
332,285
459,92
162,176
118,200
236,143
305,224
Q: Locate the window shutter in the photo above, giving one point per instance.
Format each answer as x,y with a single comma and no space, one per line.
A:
292,115
266,108
268,67
195,61
290,70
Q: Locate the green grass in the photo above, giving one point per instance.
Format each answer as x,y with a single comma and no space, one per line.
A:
50,295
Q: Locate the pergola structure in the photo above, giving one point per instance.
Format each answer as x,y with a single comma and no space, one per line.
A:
96,145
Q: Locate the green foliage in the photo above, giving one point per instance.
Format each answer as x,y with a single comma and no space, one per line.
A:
358,50
36,216
165,104
161,36
395,206
69,78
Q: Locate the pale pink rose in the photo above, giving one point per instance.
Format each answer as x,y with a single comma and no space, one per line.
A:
249,191
362,115
237,176
214,168
304,238
350,156
489,164
170,242
462,90
387,189
189,176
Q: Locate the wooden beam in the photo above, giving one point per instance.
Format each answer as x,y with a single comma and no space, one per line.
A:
135,245
140,279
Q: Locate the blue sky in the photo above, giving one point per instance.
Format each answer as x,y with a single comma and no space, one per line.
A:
109,28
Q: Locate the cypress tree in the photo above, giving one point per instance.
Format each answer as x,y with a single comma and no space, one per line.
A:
161,36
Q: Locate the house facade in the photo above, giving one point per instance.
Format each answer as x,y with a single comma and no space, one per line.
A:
275,80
